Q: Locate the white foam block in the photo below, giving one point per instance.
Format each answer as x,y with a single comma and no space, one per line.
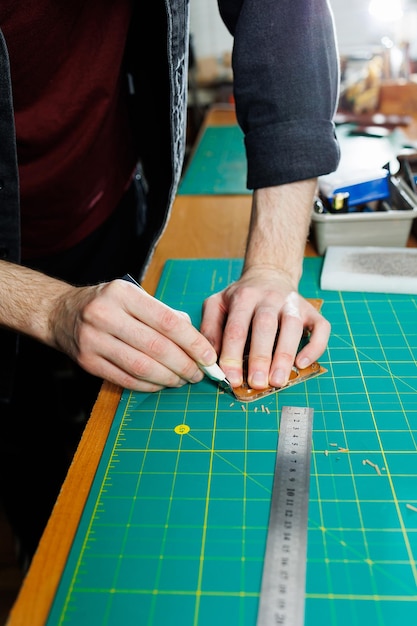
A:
370,268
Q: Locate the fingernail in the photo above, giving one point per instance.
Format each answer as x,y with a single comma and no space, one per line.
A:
198,376
278,378
259,379
234,379
304,363
209,357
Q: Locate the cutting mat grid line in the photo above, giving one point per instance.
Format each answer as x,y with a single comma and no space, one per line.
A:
175,526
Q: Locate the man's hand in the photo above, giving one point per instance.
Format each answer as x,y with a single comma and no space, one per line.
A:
265,301
265,305
114,330
122,334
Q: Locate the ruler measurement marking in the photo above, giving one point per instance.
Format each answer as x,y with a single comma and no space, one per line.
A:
282,595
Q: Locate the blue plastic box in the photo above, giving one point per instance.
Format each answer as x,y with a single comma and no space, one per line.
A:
374,187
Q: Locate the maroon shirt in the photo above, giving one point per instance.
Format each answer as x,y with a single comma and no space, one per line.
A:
73,141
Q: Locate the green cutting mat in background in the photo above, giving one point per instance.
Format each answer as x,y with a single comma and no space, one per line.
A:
174,529
218,165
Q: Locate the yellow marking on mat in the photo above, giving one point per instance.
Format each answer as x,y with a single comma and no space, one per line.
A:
182,429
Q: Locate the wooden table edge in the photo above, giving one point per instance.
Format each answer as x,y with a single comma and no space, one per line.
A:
39,587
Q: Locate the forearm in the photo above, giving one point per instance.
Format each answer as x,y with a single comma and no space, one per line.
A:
279,228
27,298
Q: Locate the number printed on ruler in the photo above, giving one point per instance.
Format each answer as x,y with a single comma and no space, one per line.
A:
283,582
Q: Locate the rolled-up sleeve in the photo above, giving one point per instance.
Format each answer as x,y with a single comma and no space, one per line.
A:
286,87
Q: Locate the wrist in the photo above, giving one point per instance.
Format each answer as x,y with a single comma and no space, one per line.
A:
279,227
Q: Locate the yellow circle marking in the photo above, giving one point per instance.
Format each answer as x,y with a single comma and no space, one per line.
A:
182,429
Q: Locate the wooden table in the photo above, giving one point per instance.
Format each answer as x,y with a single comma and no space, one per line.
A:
200,227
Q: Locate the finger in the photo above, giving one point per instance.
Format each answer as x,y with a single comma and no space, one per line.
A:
173,325
290,333
316,344
109,371
138,350
185,315
263,335
235,336
160,349
134,363
213,320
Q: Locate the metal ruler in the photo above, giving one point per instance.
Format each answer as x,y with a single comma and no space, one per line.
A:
282,596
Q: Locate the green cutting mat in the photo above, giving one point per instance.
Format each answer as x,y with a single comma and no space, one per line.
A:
174,529
218,165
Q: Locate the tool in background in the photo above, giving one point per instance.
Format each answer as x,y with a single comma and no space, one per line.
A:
214,372
374,172
407,159
402,196
282,596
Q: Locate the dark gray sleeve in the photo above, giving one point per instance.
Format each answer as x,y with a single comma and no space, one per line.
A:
286,87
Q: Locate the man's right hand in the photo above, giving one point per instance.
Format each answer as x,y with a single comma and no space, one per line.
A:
114,330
